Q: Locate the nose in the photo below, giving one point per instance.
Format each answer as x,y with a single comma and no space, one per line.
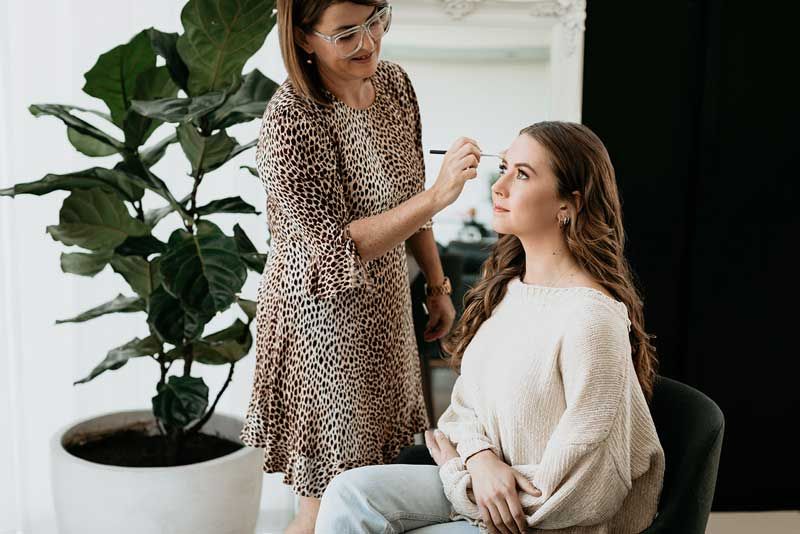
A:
499,187
361,43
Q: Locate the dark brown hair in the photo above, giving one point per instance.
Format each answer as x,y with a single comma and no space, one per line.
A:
595,238
304,15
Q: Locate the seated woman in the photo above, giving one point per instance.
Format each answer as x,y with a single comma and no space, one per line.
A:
549,426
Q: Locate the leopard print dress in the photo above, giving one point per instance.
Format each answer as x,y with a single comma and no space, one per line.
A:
337,382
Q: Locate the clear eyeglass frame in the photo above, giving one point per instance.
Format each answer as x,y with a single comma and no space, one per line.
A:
341,47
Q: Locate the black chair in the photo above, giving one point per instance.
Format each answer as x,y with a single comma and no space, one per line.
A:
690,427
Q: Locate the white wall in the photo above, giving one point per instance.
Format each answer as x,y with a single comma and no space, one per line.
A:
45,47
490,103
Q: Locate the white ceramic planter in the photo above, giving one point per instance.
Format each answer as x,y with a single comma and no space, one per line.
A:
219,496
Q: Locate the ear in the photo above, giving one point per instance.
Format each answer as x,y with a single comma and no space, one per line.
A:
301,39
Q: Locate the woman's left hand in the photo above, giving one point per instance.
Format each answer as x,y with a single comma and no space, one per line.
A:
441,315
440,447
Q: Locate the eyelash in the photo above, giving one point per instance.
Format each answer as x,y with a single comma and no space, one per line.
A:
504,168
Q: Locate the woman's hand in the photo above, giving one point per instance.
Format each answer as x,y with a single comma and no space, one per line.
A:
441,314
459,165
441,448
494,484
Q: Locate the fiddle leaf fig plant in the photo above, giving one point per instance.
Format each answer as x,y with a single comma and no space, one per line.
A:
192,98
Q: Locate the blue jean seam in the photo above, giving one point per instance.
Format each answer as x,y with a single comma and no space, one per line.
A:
411,515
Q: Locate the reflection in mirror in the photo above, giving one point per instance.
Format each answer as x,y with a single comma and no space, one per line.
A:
486,69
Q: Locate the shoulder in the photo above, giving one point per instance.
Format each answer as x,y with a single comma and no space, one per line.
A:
392,73
287,104
596,320
396,82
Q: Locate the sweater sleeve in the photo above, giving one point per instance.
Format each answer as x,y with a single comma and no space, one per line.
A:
579,473
296,162
461,425
412,105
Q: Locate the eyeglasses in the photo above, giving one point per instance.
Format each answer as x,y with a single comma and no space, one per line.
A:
349,42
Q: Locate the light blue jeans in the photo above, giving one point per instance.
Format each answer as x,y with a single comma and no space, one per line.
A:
388,499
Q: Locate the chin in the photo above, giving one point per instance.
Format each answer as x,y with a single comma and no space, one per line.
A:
500,227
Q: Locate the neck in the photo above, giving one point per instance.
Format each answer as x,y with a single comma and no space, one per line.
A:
547,259
355,93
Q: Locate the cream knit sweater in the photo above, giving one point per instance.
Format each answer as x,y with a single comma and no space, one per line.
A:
548,384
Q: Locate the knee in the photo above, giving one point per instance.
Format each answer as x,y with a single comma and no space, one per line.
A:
344,501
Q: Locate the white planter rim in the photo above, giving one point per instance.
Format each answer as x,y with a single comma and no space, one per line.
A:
56,445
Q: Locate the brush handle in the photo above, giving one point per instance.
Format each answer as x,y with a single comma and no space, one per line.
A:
435,151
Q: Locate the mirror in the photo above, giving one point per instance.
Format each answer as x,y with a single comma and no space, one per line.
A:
486,69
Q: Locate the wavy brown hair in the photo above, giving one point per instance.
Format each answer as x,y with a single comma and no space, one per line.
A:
594,235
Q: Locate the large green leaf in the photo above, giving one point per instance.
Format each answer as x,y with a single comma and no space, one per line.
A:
119,356
170,321
179,109
205,153
120,304
154,83
226,346
219,37
153,154
180,400
95,220
128,186
87,145
136,271
227,205
203,270
254,260
247,103
84,264
142,246
78,124
113,77
166,46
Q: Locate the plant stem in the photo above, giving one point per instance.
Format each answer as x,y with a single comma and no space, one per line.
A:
164,367
195,427
188,358
193,201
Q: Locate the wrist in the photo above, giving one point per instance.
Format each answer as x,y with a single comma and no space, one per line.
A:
435,280
480,457
444,288
436,203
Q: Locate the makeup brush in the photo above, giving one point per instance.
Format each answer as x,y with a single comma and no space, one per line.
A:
432,151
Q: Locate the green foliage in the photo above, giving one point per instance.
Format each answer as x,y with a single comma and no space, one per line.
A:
195,96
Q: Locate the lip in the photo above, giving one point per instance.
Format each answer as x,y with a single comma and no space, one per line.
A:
367,58
498,209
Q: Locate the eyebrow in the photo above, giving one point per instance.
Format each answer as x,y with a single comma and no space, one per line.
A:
520,164
348,26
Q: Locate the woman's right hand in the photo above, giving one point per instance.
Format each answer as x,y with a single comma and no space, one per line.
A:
459,165
494,484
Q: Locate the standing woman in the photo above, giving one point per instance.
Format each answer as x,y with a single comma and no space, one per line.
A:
337,380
